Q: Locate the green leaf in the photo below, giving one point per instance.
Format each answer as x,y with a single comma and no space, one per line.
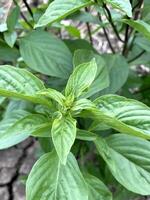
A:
128,159
73,31
143,43
125,115
124,6
45,53
8,54
140,26
102,79
73,45
7,137
118,72
81,78
19,126
58,10
81,104
54,95
49,180
12,18
63,135
10,38
85,135
20,83
97,189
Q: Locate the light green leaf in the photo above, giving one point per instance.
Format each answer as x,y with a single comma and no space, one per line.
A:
45,53
81,78
123,5
128,159
19,126
54,95
125,115
63,135
20,83
140,26
58,10
81,104
73,31
97,189
10,38
49,180
8,138
102,78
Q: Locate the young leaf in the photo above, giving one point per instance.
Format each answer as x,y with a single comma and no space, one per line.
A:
140,26
102,77
81,78
125,115
97,189
58,10
128,159
18,127
45,53
20,83
123,5
53,94
81,104
49,179
63,135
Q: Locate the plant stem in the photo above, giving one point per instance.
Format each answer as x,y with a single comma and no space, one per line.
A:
125,49
105,32
109,17
137,56
89,29
106,35
28,8
23,16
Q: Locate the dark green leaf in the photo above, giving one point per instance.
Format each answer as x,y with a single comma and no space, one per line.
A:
45,53
12,18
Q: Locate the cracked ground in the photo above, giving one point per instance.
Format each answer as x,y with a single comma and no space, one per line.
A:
15,165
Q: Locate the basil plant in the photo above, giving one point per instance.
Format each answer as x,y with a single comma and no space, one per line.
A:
56,175
87,106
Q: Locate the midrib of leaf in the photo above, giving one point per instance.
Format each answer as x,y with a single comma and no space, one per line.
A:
57,181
